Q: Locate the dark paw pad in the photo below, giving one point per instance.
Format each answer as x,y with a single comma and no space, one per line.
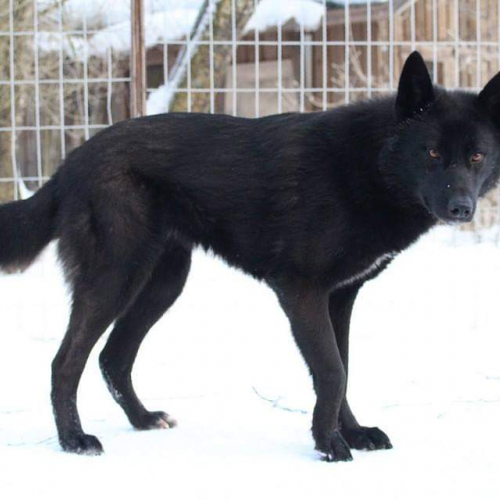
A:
367,438
83,444
155,420
337,449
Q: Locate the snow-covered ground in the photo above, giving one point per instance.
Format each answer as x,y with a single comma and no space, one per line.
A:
425,368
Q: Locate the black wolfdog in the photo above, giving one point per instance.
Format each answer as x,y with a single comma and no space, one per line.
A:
312,204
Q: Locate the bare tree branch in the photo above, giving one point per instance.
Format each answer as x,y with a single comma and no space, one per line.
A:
276,403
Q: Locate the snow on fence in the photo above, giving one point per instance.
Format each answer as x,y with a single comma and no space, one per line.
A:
69,68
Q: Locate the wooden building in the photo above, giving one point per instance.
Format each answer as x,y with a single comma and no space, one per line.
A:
446,38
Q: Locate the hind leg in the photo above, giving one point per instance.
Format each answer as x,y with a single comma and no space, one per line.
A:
93,311
100,293
67,369
118,356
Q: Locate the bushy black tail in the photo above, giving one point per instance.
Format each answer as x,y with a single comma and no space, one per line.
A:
26,227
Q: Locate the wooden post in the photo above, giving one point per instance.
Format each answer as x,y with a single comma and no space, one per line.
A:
137,60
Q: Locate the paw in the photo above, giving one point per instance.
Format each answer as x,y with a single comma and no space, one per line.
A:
154,420
336,450
367,438
83,444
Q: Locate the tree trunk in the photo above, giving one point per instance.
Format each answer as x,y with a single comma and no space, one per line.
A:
200,70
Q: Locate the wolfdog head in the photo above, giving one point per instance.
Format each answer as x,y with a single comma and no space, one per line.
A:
447,143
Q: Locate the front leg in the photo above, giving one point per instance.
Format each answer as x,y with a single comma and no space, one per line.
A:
358,437
307,310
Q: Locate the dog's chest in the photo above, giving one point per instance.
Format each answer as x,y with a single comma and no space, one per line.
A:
365,271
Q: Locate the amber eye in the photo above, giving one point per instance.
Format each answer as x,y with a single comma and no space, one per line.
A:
434,154
476,158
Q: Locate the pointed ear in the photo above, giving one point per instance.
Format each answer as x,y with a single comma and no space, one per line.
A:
489,97
415,90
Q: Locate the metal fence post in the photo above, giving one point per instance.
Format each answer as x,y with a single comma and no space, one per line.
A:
137,60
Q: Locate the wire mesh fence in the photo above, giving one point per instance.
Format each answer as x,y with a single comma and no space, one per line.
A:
58,87
65,69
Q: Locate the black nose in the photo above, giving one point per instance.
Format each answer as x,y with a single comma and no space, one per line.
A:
461,208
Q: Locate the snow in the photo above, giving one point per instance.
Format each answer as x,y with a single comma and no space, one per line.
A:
271,13
93,10
24,192
160,26
172,23
174,20
165,20
424,367
158,101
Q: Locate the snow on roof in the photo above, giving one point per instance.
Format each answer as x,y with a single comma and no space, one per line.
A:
174,21
271,13
168,20
97,10
161,26
178,20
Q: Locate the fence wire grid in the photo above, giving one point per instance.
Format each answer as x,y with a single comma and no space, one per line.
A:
66,67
